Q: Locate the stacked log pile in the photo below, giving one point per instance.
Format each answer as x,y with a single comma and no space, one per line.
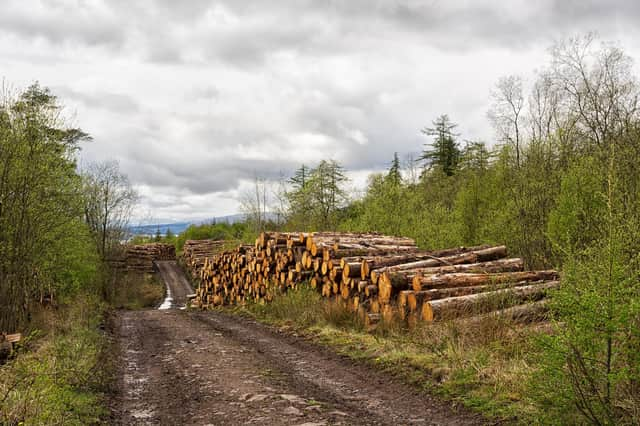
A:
195,252
379,277
140,258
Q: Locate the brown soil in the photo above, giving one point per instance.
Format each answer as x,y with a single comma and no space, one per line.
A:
209,368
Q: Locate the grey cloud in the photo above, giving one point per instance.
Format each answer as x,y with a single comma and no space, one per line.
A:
60,22
116,103
202,93
211,94
165,30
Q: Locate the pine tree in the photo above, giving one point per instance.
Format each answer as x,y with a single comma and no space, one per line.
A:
444,152
393,175
300,178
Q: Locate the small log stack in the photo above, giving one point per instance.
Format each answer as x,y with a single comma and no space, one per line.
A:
140,258
379,277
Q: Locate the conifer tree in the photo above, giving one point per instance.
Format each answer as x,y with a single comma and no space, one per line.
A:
393,175
444,152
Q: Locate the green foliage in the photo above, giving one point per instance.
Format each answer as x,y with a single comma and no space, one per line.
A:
317,196
43,245
444,153
592,360
108,199
394,175
63,378
137,291
563,191
578,219
214,231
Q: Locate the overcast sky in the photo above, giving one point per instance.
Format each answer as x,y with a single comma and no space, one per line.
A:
195,98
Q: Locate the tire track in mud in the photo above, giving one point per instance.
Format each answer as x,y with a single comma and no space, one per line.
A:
209,368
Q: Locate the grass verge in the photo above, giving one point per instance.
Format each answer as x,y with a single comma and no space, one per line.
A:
484,365
61,371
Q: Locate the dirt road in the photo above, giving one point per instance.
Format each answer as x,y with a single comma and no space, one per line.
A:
208,368
177,284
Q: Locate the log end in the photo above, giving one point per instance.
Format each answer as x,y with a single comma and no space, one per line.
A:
427,312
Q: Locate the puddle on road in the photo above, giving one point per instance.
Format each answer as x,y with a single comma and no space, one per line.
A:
142,414
168,301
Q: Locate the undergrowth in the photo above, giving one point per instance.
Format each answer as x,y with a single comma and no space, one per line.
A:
60,372
137,291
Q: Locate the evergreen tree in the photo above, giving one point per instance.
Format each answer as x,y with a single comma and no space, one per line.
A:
316,195
393,175
300,178
443,152
158,237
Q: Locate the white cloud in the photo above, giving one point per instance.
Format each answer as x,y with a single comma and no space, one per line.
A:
196,98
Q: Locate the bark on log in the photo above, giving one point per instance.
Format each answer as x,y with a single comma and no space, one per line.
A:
522,314
475,304
501,265
430,260
443,293
463,279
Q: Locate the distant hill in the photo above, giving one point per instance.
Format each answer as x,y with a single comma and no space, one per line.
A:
179,227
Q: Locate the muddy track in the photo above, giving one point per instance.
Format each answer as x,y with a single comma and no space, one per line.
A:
177,284
209,368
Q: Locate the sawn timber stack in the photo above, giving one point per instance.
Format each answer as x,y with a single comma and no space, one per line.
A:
378,277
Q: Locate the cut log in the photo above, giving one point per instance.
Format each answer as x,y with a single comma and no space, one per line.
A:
523,314
443,293
358,254
468,279
430,260
351,269
501,265
475,304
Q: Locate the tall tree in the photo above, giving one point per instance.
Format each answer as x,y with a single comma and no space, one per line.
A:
109,201
326,187
254,204
314,200
40,201
300,178
393,175
443,152
506,113
599,87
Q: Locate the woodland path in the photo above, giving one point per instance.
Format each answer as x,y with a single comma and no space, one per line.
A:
208,368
